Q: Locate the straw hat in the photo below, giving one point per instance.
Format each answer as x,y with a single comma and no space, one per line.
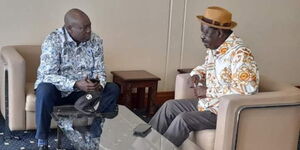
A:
217,17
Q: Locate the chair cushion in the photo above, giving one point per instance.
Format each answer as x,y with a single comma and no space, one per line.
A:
30,97
205,139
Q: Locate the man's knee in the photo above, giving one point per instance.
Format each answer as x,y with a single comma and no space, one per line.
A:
169,107
169,104
113,89
46,91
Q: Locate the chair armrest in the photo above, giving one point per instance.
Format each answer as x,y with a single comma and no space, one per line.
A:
263,116
15,65
2,103
183,88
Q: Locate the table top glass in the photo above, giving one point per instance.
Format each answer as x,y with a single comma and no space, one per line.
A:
112,133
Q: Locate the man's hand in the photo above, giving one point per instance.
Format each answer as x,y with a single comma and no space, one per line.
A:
87,85
199,91
196,80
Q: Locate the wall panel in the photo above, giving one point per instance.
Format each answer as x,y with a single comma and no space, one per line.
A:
163,35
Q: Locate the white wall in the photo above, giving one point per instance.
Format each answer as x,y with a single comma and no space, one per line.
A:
163,35
268,27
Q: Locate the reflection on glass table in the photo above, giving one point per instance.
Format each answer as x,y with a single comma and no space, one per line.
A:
110,131
76,127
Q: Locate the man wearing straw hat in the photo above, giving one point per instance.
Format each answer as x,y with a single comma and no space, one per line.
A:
229,68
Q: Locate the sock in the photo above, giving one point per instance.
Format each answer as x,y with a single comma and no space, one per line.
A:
42,142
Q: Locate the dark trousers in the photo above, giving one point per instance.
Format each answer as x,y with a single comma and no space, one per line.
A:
47,96
177,118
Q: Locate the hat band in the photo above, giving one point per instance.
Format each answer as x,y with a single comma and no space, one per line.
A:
216,22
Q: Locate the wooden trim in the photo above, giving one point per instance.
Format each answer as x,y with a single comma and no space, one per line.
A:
161,97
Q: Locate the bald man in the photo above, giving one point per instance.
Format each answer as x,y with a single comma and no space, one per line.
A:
71,57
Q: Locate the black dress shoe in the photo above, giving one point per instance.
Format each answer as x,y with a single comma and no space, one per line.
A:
44,147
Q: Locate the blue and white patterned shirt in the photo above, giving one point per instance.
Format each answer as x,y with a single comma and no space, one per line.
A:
63,62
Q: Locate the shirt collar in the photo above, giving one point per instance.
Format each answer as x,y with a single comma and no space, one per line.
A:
68,37
228,43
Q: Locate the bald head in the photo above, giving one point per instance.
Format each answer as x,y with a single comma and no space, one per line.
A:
78,25
74,15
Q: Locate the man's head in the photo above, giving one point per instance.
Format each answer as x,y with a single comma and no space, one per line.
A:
216,25
78,25
212,37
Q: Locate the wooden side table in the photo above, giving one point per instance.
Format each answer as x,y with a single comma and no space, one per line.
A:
139,79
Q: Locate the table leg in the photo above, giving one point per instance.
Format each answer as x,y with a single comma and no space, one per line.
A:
59,136
151,99
127,95
140,97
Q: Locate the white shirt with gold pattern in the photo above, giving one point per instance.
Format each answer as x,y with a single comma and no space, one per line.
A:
230,69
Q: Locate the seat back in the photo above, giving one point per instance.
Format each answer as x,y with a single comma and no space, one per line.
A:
31,54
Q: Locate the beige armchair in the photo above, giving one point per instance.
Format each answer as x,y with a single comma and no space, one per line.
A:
20,64
269,120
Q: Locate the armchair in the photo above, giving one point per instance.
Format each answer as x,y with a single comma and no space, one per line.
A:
268,120
20,64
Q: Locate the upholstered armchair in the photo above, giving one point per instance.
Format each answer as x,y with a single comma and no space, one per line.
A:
268,120
18,72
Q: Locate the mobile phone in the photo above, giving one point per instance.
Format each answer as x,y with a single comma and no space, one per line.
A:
94,80
142,130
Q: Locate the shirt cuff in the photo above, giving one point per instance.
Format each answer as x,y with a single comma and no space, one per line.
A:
196,72
193,72
102,83
71,85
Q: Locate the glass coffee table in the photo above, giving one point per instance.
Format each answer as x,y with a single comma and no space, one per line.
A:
111,131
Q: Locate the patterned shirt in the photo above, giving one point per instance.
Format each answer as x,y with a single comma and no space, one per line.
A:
63,62
230,69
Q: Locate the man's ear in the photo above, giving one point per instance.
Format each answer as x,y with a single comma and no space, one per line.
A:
220,33
69,28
